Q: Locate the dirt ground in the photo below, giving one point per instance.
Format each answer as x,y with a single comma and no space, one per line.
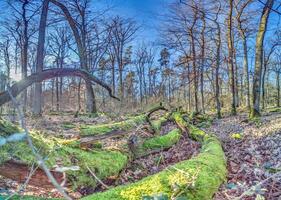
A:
254,161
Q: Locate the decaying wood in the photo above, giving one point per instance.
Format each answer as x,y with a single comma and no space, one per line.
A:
150,112
18,87
19,172
85,141
91,139
153,110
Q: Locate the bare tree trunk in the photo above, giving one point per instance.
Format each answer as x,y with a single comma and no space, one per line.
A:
24,50
237,100
37,106
53,88
202,64
57,95
195,78
263,80
79,95
246,73
80,41
218,59
278,88
255,111
230,57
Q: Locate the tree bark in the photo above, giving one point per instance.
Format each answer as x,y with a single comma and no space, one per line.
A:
255,111
24,50
278,88
202,64
218,59
230,57
37,106
18,87
90,98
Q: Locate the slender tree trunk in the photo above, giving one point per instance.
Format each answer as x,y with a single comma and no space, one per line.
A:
246,73
263,82
53,88
57,95
113,74
255,111
230,57
218,59
37,106
278,88
24,51
195,78
236,70
202,65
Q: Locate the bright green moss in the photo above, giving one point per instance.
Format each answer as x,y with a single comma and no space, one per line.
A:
7,128
194,132
237,136
68,125
197,178
103,163
156,124
158,143
105,128
17,197
164,141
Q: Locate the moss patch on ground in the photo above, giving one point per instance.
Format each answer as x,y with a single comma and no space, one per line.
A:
198,178
103,163
132,122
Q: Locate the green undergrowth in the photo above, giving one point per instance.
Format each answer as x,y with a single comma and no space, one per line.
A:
86,130
103,163
159,142
197,179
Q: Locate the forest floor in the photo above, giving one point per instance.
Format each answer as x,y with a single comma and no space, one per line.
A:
254,160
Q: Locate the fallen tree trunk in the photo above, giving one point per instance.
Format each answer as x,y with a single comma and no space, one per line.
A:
197,178
18,87
91,139
19,172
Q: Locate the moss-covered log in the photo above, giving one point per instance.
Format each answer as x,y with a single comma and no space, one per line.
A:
87,130
60,152
197,178
157,143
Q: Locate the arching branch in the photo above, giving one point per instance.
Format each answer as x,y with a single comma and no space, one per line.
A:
18,87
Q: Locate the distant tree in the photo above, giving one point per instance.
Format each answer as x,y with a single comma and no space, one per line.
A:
122,32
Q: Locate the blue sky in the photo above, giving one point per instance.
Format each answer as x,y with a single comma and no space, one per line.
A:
146,12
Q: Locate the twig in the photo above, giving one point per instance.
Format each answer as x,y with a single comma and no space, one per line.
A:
97,178
37,155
